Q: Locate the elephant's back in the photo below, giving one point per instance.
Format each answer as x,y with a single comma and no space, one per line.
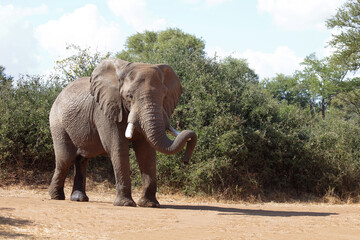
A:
69,104
76,89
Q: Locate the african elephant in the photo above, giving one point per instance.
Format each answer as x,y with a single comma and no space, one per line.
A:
121,104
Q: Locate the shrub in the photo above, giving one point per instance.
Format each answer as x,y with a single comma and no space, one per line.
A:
25,140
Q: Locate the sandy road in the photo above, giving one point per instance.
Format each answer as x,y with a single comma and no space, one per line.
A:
29,214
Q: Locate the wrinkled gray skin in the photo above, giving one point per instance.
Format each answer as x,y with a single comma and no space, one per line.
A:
90,117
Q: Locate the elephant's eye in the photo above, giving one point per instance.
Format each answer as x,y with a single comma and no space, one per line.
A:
129,96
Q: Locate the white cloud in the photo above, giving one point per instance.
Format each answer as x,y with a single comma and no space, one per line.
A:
17,43
215,2
209,3
84,27
300,14
136,14
282,60
266,65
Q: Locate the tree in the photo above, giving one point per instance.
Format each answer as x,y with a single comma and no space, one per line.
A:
288,88
349,101
346,39
80,64
238,70
321,79
169,46
5,81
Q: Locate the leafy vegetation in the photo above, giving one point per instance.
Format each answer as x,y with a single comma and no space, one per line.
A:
293,134
25,141
346,40
80,64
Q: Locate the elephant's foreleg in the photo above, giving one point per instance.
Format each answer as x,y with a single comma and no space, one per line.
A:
78,192
121,165
146,157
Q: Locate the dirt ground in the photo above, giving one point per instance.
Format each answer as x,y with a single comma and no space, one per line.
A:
27,213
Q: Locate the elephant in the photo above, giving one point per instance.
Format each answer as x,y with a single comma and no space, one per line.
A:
121,105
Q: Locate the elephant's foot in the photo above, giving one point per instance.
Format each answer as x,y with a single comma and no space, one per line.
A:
145,202
79,196
124,201
57,194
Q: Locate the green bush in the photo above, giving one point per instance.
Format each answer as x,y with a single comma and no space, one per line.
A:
25,141
335,145
248,142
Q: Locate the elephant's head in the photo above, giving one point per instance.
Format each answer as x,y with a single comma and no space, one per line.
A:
147,94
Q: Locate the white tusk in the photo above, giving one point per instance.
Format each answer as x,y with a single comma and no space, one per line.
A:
173,131
131,116
129,130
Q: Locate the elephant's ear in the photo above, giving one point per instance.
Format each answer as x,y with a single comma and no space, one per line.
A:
105,83
174,89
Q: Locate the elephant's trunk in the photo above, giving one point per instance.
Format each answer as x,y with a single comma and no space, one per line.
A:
153,125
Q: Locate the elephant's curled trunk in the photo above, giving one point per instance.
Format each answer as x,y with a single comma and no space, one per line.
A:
185,137
154,128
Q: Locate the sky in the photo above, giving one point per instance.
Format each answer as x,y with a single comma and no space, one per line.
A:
274,36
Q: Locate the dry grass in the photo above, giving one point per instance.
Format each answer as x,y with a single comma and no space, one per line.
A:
100,183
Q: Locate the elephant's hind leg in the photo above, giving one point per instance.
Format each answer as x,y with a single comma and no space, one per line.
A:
78,192
56,189
65,154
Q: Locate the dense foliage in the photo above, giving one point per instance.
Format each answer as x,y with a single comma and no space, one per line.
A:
25,141
250,142
291,134
346,38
